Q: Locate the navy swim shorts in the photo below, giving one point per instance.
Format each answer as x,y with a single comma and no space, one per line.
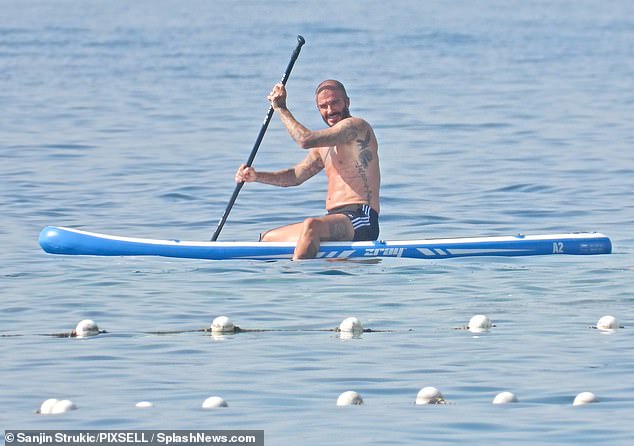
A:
364,219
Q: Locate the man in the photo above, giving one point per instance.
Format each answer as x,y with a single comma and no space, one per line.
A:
348,151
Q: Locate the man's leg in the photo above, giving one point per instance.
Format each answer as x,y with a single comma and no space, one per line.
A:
289,233
309,233
314,230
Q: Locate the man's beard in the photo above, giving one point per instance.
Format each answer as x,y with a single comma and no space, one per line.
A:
345,113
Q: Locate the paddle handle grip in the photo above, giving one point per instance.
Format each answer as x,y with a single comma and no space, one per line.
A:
258,140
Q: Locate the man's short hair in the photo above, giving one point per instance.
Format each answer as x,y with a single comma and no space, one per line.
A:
331,84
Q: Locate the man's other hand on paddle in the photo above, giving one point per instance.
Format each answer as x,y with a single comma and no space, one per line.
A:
245,174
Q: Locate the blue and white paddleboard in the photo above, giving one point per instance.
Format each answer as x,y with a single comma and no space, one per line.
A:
60,240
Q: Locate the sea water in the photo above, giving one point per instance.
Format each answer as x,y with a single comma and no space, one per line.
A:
494,118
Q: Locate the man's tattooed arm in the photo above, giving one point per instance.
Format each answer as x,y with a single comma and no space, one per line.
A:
293,176
342,133
365,156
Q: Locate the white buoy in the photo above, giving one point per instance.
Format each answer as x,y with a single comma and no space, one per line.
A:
505,398
479,323
144,404
351,325
608,323
63,406
85,328
55,406
47,406
349,398
213,402
585,398
429,395
222,324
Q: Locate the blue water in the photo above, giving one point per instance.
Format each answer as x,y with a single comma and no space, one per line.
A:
493,117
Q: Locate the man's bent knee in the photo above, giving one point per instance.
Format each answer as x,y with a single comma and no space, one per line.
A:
311,224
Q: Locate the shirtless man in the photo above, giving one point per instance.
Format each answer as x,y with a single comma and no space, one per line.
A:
348,151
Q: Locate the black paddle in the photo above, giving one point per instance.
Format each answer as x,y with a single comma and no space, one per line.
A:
265,124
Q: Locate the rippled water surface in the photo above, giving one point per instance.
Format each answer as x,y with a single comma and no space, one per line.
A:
494,118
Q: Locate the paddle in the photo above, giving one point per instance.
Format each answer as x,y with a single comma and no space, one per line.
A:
265,124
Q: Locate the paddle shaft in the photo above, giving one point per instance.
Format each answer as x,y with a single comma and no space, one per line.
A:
258,141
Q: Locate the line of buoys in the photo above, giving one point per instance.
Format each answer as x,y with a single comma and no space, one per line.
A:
350,327
426,396
223,325
431,395
481,323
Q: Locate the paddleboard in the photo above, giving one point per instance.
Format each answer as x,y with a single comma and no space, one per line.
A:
62,240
